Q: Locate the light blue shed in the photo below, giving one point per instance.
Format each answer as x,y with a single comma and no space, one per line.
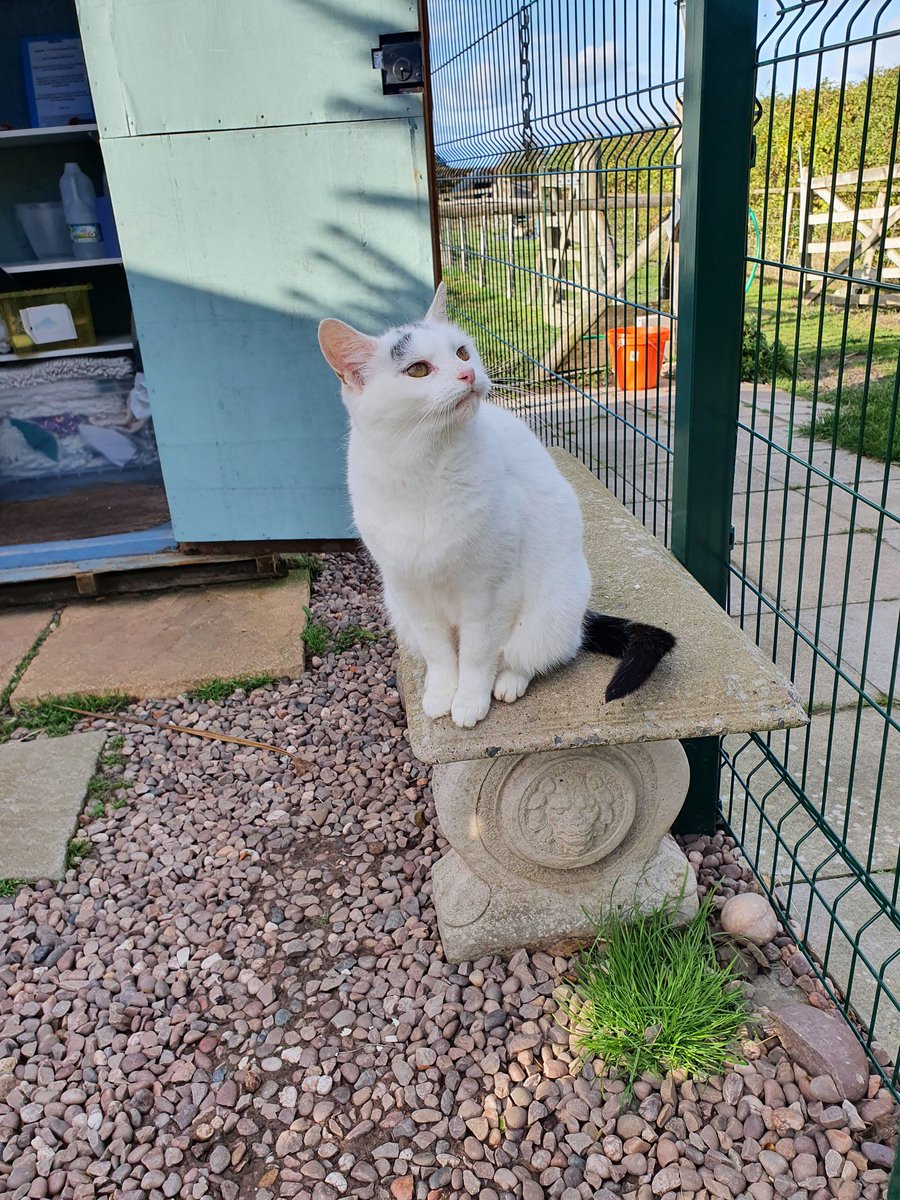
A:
261,180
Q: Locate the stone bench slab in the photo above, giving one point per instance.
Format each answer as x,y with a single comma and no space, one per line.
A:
716,681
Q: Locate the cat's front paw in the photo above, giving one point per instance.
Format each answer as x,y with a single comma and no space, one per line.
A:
469,708
510,686
438,698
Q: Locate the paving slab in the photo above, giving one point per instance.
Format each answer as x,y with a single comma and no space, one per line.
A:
43,784
842,785
768,516
851,561
18,632
859,944
157,646
813,678
848,624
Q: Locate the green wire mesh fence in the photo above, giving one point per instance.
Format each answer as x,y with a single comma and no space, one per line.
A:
557,129
558,142
816,514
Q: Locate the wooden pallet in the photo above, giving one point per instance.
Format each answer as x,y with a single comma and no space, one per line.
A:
56,582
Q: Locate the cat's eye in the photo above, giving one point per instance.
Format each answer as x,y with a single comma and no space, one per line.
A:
418,370
463,353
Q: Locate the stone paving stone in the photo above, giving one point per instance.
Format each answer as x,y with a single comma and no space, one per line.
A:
881,659
18,632
794,568
768,515
155,646
43,784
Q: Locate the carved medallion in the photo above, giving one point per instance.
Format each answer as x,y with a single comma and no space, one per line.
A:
563,810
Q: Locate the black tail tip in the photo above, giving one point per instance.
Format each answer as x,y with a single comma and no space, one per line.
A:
646,646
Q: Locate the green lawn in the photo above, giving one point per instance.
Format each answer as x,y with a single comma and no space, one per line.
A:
509,327
880,422
826,345
828,352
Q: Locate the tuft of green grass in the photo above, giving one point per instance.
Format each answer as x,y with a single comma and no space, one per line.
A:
220,689
350,636
50,717
77,849
319,640
9,887
760,360
867,431
103,790
650,996
316,637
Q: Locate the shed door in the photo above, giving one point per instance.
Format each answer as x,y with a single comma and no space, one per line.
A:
261,181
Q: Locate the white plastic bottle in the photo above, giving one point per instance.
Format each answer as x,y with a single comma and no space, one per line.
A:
80,208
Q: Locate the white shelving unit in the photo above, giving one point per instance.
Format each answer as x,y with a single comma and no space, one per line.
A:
14,138
51,133
57,264
105,345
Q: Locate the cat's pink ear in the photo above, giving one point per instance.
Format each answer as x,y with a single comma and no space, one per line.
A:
346,350
438,310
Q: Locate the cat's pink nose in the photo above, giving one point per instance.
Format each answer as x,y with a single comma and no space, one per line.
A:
468,375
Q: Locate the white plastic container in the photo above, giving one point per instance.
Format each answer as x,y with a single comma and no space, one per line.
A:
45,227
80,206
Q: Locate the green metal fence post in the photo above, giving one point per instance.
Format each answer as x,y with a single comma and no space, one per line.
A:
720,62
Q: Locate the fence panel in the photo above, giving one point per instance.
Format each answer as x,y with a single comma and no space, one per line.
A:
557,130
816,561
558,137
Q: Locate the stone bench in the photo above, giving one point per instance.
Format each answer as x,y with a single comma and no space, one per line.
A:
560,805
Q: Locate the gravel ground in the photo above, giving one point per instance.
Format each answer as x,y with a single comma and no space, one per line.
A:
238,994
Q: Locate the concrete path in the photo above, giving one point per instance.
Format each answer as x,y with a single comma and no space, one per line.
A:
157,646
43,785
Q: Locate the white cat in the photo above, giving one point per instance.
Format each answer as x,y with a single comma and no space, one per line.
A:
475,532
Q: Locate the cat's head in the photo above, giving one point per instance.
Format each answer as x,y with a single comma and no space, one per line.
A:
413,378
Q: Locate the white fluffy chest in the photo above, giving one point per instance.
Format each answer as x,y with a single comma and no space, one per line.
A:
428,527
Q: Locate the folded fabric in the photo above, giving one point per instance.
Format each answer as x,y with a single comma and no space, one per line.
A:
116,447
37,437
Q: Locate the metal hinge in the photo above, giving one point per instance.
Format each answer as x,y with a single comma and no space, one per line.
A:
399,59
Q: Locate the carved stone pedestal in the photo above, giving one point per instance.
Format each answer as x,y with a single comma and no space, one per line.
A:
542,841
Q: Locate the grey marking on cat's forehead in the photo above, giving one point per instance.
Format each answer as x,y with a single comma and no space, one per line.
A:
401,346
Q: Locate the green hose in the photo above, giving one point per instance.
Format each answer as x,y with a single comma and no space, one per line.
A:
755,252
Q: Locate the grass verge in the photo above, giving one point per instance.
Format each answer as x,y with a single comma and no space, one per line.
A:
650,996
868,431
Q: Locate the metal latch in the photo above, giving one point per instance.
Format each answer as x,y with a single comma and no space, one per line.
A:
399,59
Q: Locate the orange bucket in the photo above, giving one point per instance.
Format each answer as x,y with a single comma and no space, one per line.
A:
636,354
